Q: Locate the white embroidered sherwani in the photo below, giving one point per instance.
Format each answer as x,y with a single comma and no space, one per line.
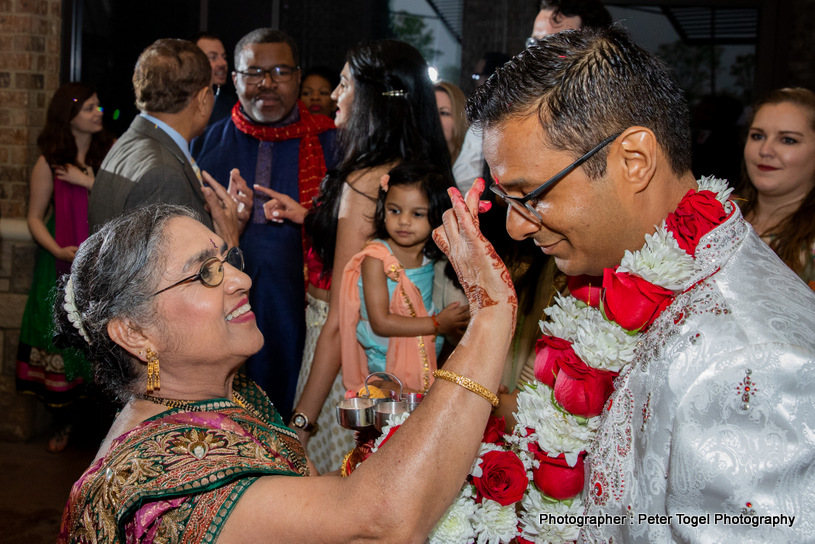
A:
717,413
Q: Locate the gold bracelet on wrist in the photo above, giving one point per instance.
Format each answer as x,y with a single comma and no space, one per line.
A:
467,384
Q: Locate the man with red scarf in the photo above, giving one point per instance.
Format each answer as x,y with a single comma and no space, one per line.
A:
275,143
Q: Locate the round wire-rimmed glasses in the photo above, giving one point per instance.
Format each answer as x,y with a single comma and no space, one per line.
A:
523,204
211,272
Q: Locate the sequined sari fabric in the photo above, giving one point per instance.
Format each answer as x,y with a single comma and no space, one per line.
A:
177,476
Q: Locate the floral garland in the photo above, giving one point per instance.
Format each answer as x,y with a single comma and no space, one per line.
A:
589,338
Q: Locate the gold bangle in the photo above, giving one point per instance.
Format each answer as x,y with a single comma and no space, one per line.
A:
467,384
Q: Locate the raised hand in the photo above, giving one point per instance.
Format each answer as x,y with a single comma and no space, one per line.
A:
482,273
280,207
223,209
240,192
74,175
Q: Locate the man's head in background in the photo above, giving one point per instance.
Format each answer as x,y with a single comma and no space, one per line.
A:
557,15
213,48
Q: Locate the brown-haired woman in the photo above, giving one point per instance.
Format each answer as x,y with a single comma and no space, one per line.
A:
450,102
73,144
779,193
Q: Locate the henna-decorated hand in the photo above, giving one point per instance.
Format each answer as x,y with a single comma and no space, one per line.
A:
482,273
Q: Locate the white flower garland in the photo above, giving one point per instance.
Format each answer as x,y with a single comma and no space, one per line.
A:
542,422
601,344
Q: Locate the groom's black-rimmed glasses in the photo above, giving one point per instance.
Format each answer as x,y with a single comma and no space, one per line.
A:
211,272
523,204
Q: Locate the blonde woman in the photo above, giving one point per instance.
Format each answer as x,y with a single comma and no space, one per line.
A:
450,102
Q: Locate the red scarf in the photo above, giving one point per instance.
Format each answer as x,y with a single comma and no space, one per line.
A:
311,162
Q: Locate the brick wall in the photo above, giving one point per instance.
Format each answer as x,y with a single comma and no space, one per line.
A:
29,75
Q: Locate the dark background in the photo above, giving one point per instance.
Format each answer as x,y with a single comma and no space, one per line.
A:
103,38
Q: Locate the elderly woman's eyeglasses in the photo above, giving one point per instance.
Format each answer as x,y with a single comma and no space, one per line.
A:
279,74
523,204
211,272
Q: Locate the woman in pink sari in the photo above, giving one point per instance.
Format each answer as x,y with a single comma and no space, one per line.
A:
73,144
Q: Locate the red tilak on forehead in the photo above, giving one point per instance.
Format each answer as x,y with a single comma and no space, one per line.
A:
213,243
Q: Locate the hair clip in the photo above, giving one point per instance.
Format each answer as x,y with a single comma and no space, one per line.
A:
394,93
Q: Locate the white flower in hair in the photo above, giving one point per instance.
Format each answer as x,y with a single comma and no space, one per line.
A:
73,314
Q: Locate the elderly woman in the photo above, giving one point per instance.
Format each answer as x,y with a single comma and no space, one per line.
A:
197,453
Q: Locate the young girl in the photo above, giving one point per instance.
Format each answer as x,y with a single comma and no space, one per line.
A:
387,318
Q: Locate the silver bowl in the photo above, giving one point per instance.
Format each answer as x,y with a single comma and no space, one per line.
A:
412,400
384,410
355,413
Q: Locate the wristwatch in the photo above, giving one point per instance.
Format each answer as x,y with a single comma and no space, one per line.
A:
300,421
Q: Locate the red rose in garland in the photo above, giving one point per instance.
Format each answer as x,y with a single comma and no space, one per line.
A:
582,390
697,214
503,478
550,350
586,289
632,302
555,478
495,431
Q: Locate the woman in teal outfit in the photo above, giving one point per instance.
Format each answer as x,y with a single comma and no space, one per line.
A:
73,144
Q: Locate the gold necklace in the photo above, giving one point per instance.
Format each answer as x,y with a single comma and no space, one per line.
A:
190,405
243,403
172,403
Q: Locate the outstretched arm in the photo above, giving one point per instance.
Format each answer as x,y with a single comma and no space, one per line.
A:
281,206
387,324
354,227
399,493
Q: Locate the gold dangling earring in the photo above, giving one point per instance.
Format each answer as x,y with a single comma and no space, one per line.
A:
153,376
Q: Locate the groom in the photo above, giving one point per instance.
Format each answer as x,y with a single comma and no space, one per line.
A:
715,414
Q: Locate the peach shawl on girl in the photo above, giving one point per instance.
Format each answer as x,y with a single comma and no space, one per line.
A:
412,359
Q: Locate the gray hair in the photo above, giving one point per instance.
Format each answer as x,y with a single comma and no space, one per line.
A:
267,35
113,275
